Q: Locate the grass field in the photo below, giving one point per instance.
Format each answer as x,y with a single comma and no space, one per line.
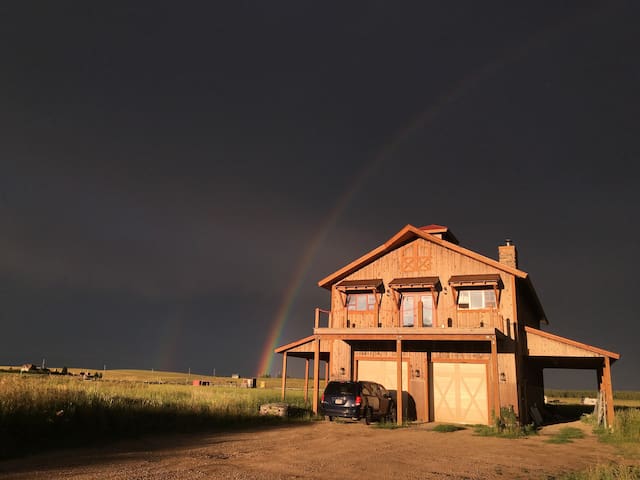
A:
42,411
39,411
621,398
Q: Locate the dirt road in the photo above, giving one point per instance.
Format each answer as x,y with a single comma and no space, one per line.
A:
320,450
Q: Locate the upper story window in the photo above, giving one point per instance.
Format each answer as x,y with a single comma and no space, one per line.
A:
476,291
476,299
361,302
415,306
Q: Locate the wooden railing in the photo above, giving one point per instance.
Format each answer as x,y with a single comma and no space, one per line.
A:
453,319
320,313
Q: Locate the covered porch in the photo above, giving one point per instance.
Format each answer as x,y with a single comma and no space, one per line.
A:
398,342
305,348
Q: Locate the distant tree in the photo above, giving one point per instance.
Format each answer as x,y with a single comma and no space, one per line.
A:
64,371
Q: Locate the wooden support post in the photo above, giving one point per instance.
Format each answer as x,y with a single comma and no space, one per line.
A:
434,308
317,320
316,374
495,377
306,380
426,376
420,321
608,391
399,406
376,312
284,374
326,374
397,299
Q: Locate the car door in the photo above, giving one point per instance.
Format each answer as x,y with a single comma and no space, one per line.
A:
385,399
371,399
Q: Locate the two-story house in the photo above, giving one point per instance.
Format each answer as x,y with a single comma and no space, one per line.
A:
457,332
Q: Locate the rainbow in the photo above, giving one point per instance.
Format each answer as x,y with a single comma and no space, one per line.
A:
291,292
418,122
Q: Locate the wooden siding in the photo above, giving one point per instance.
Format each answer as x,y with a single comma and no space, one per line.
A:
421,258
340,359
544,347
508,382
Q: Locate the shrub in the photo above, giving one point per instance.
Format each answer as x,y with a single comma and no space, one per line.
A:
506,425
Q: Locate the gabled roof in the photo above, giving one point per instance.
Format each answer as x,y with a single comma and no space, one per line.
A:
408,233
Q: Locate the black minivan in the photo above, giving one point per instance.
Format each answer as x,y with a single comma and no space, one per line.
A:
358,401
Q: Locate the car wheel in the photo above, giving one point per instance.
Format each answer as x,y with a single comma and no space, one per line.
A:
366,418
392,415
328,418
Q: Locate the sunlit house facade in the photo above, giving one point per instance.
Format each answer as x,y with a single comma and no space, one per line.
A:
459,333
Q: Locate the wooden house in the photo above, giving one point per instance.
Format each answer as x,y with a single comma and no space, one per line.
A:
457,332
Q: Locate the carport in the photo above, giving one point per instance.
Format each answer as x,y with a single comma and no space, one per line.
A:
546,350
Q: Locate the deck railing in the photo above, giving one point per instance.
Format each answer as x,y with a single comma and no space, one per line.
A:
391,319
321,315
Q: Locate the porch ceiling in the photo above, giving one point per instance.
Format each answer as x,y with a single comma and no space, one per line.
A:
577,363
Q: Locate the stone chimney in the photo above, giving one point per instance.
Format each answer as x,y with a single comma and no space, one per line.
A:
508,254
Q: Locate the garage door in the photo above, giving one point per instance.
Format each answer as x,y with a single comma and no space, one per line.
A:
383,372
460,393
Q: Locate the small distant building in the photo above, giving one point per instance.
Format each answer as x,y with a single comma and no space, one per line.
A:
28,367
249,383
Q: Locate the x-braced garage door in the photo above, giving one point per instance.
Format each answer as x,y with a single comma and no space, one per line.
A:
460,393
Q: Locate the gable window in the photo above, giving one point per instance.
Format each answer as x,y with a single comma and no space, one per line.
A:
361,302
476,299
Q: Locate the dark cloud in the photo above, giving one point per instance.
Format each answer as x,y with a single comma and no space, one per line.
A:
167,170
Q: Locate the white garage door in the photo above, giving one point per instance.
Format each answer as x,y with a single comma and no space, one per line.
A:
383,372
460,393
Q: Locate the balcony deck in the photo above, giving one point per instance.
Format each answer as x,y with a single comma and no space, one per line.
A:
408,333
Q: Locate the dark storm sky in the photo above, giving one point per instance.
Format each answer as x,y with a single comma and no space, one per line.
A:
166,166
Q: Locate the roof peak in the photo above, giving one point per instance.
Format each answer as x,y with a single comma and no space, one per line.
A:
440,231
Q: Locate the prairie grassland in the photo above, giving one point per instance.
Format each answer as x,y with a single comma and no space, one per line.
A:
625,435
621,398
38,411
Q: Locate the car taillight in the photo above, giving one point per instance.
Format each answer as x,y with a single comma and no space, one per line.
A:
358,400
322,399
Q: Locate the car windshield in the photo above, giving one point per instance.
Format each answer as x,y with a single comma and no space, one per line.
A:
340,388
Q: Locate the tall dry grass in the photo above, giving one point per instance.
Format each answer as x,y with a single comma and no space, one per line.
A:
625,436
38,411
